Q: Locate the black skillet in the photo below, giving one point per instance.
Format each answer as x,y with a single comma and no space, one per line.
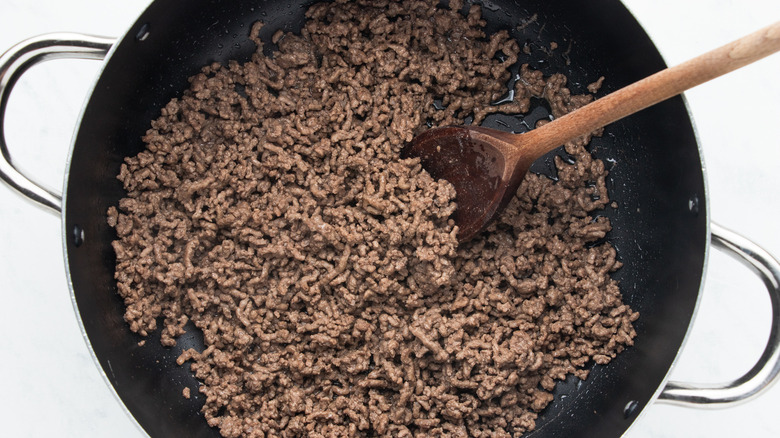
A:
661,229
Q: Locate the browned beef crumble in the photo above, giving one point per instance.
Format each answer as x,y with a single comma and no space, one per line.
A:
271,209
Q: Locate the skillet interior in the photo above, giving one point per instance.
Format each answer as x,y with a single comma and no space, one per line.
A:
659,228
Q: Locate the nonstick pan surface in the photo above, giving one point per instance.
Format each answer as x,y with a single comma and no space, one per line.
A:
661,242
155,387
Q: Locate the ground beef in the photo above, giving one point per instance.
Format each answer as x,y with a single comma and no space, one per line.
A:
271,209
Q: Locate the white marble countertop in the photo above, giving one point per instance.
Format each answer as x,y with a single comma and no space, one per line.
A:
51,387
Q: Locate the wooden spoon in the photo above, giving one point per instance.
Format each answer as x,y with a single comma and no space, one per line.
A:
486,166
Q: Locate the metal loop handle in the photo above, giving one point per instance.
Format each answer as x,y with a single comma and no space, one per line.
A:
764,373
13,64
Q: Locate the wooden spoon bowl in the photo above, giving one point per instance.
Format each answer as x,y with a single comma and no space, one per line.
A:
483,165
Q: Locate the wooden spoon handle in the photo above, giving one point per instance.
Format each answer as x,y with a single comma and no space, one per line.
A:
653,89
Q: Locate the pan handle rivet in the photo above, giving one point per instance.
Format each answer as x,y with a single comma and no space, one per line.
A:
693,204
78,236
630,409
143,32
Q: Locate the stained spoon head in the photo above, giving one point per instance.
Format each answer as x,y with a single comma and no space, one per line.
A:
475,161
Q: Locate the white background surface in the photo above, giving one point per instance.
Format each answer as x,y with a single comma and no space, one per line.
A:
50,386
